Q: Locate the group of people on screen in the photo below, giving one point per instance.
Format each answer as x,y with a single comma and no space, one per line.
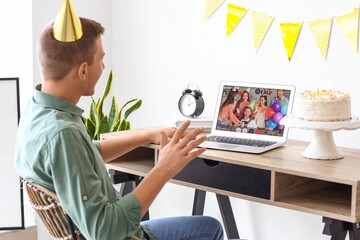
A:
247,112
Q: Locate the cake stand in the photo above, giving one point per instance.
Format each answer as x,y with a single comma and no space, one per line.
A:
322,145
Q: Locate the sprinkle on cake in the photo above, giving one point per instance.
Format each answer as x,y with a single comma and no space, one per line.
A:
323,105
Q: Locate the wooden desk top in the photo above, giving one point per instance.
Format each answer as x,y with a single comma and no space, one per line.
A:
286,159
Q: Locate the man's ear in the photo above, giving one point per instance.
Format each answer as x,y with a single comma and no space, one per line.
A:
83,71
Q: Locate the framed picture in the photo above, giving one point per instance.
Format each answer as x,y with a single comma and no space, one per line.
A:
11,193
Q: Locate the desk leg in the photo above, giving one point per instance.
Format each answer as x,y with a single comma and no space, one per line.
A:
126,188
227,216
354,232
199,202
338,229
129,182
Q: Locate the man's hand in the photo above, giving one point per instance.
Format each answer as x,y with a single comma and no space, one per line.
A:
174,154
177,152
156,135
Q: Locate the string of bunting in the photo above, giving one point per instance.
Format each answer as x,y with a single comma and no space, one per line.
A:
320,28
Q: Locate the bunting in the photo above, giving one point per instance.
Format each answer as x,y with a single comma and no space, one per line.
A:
234,15
349,24
290,34
320,29
211,6
261,24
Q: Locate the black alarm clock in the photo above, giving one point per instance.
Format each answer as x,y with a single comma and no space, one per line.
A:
191,103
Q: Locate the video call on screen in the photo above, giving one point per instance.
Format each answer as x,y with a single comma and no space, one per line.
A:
253,110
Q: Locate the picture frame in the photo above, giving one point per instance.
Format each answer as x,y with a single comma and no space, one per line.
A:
11,192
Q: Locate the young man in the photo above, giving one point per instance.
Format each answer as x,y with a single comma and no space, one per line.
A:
54,150
279,97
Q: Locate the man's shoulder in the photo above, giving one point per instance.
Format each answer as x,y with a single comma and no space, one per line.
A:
45,123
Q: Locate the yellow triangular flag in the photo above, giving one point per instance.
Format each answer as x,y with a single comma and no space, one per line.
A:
234,15
211,6
349,24
67,25
261,24
290,33
321,29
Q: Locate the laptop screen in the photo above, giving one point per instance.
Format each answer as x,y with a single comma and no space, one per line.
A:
253,109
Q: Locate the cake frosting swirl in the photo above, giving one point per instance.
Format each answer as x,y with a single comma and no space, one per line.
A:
323,105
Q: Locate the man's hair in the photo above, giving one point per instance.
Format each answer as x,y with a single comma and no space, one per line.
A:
58,58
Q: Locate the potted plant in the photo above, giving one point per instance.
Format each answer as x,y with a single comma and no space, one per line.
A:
99,123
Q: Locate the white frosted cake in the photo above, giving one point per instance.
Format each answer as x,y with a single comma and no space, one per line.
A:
324,106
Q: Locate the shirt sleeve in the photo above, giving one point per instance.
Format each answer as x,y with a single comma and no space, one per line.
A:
97,145
78,184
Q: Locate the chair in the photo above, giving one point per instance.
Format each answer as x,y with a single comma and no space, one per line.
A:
47,205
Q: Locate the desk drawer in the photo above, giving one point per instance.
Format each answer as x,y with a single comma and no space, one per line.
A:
229,177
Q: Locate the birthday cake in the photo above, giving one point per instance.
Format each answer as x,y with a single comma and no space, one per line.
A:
323,106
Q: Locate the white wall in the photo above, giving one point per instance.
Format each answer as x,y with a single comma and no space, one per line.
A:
160,46
16,61
16,44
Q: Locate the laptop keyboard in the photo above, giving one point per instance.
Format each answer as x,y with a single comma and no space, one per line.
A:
240,141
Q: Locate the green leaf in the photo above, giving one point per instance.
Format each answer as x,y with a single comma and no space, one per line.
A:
99,123
113,115
119,117
103,126
91,113
127,126
84,118
101,114
95,116
122,125
132,108
105,93
90,127
117,124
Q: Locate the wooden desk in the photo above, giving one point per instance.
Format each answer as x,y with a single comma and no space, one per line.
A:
281,177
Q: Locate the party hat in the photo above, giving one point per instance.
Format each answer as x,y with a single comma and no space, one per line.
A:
67,26
252,105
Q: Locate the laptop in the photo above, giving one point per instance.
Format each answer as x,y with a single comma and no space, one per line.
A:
248,117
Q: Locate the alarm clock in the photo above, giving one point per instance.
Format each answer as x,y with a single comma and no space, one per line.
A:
191,103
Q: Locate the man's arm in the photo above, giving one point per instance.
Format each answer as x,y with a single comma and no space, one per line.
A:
115,147
174,155
83,187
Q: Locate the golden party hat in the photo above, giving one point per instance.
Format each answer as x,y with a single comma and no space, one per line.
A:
67,25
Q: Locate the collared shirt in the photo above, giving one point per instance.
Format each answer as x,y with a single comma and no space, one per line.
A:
54,149
276,99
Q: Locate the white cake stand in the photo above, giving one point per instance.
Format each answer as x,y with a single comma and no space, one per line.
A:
322,145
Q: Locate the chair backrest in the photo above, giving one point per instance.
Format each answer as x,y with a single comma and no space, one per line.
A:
48,207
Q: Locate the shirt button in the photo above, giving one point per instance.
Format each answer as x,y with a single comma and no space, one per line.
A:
85,198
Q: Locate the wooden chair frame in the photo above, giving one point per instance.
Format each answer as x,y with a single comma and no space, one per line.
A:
47,205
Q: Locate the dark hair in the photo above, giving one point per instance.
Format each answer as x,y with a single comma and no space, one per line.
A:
248,108
229,99
242,98
265,97
58,58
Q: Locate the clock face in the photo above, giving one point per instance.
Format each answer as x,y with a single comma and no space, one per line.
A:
187,104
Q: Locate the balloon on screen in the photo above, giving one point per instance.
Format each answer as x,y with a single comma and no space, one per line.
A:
276,106
284,109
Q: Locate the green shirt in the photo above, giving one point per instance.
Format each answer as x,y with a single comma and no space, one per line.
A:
54,149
